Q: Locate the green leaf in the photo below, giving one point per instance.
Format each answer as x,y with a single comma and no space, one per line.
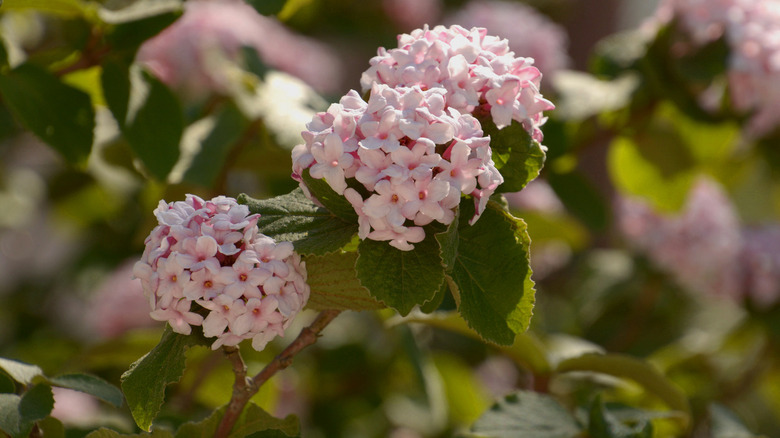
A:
518,157
294,218
268,7
140,10
144,383
604,423
580,198
63,8
154,124
91,385
254,421
108,433
448,242
491,276
60,115
335,203
227,129
526,350
115,80
628,367
400,279
725,424
334,284
51,428
20,371
7,385
19,414
529,415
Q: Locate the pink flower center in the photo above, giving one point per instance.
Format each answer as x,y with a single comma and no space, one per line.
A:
394,198
243,277
208,284
422,195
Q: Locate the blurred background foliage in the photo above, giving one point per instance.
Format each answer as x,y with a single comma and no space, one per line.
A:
654,222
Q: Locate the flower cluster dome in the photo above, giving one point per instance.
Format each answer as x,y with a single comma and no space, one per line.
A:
207,264
406,156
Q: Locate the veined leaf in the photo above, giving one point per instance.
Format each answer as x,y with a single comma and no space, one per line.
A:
294,218
518,157
335,203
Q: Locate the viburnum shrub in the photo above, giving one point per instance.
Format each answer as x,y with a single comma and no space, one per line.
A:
207,264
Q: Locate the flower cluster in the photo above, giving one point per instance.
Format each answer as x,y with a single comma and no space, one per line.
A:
404,158
475,70
752,30
705,248
208,258
527,31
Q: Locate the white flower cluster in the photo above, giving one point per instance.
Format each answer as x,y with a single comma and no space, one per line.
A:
752,30
404,158
207,264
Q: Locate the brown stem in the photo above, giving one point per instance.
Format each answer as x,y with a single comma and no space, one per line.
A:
244,387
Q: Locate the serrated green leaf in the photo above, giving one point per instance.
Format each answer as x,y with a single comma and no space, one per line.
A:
20,371
491,276
628,367
227,129
335,203
254,420
145,382
448,243
18,414
529,415
108,433
725,424
60,115
334,284
313,230
91,385
518,157
154,124
400,279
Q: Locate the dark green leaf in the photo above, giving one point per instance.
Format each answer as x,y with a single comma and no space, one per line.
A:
400,279
580,198
334,284
91,385
20,371
294,218
254,421
7,385
529,415
115,80
604,423
144,383
518,157
51,428
3,56
62,116
491,276
335,203
628,367
154,125
725,424
228,128
127,36
19,414
267,7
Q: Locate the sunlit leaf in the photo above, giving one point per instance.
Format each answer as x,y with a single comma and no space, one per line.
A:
518,157
529,415
20,371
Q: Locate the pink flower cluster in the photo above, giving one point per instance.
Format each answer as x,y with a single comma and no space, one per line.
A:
705,248
207,264
477,71
528,32
404,158
752,31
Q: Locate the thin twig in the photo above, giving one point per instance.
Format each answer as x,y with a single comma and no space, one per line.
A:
244,387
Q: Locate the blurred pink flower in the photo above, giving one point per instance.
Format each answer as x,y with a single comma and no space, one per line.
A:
699,246
74,408
530,33
118,304
536,196
752,31
193,54
761,262
410,14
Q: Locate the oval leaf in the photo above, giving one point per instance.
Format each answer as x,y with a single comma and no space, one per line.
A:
20,371
91,385
529,415
60,115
